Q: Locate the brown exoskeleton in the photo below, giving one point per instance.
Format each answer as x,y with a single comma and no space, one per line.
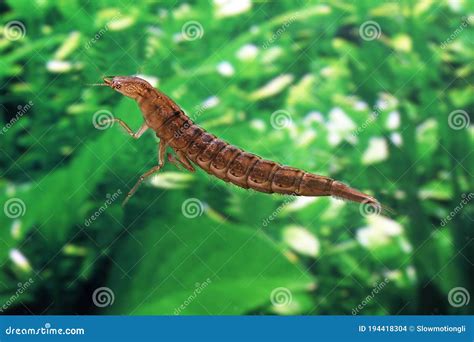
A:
193,145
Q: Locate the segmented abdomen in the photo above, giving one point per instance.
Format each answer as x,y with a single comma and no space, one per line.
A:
243,169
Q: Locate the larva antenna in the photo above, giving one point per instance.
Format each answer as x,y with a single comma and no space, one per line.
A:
105,84
96,84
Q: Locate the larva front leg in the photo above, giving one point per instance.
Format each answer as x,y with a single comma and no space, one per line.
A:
134,135
161,162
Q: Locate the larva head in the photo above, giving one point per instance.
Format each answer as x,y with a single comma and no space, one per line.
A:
130,86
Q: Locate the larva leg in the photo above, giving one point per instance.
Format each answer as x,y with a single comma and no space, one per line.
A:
173,160
182,160
161,161
134,135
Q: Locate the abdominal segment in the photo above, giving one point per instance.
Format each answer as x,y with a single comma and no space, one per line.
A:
241,168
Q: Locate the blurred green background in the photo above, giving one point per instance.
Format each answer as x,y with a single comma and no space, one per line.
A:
376,94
